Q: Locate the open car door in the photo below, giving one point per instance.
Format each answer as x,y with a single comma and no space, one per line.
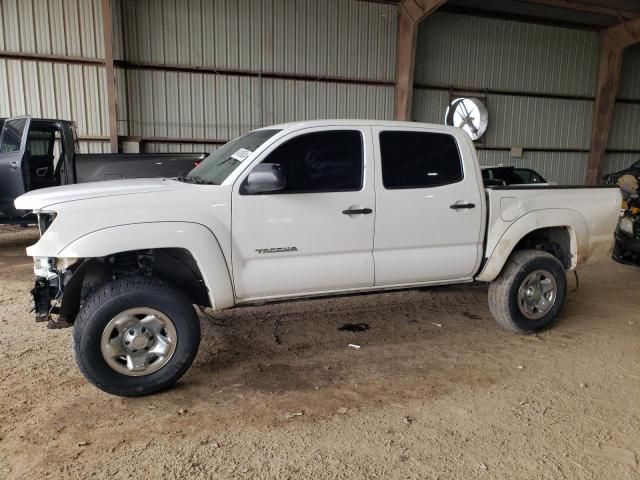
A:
13,144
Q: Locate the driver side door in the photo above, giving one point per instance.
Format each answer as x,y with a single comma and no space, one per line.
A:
13,141
316,234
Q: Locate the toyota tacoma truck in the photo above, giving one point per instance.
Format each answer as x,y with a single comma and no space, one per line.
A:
295,211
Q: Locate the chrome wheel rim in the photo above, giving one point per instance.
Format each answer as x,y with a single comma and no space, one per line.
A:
138,341
537,294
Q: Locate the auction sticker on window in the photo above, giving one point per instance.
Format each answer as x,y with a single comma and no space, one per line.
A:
241,155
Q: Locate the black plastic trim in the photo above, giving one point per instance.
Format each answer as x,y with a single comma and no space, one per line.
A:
460,206
358,211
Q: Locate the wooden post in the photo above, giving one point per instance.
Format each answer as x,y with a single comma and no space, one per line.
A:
110,72
405,65
412,12
613,42
612,45
609,67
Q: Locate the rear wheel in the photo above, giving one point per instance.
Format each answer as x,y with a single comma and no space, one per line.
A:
136,336
529,293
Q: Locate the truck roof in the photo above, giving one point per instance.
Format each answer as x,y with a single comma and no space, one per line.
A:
40,121
360,122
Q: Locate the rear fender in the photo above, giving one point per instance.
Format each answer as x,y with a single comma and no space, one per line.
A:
194,237
572,220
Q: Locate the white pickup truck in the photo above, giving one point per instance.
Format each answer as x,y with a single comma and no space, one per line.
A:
297,211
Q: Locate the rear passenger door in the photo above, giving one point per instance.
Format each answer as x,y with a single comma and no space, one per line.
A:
315,235
429,224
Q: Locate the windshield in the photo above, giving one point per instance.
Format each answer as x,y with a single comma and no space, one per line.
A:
220,164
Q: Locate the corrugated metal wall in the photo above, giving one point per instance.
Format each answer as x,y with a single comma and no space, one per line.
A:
157,147
482,52
308,39
529,70
518,120
313,37
56,27
48,89
630,77
625,131
619,161
307,49
199,106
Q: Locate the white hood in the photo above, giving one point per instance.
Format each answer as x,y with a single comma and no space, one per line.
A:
45,197
92,207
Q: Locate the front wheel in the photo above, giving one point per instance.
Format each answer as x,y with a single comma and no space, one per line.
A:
529,293
136,336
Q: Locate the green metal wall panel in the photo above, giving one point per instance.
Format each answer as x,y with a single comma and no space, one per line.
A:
481,52
537,82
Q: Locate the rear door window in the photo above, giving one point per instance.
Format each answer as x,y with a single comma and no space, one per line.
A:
413,159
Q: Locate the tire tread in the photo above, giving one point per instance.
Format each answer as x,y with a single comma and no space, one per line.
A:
501,288
114,289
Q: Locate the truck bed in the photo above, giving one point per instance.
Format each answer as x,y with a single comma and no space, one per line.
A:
587,208
116,166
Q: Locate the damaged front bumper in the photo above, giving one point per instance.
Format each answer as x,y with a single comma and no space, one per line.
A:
42,295
51,276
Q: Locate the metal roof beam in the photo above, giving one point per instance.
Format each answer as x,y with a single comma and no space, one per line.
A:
585,7
625,34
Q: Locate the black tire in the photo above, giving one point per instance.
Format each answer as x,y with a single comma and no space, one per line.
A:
114,298
503,291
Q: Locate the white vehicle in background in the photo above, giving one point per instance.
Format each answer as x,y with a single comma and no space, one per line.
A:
297,211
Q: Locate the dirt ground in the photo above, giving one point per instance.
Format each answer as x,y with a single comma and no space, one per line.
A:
436,391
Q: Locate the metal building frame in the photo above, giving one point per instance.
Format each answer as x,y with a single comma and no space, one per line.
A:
613,42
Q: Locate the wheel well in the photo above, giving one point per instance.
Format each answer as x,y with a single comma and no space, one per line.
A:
553,240
175,266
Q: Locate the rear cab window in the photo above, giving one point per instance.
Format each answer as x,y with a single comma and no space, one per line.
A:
40,142
414,159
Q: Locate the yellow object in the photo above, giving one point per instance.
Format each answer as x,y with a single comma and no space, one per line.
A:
628,183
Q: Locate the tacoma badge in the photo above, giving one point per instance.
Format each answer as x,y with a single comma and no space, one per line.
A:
276,250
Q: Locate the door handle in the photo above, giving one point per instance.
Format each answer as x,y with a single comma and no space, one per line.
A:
460,206
13,165
357,211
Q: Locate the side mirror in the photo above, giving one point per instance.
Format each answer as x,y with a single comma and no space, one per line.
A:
265,177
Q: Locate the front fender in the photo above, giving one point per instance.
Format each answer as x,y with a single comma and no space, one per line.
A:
194,237
573,221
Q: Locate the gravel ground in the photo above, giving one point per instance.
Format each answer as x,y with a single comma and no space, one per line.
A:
437,390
